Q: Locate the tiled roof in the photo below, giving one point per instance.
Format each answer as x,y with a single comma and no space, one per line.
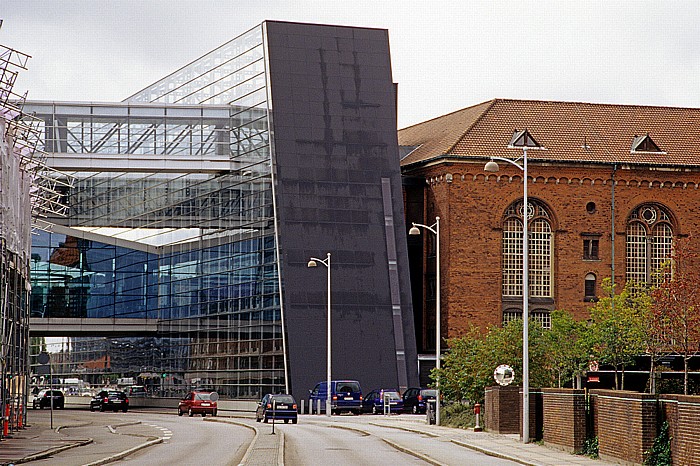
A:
569,131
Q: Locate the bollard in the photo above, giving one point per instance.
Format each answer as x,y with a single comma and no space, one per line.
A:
477,412
6,424
318,406
301,405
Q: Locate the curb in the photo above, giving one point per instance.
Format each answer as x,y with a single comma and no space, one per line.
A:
125,453
251,446
407,429
396,446
493,453
51,452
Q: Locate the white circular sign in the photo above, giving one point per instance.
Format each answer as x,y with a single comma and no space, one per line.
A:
504,375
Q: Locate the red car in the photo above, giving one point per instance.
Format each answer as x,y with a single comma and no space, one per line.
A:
197,402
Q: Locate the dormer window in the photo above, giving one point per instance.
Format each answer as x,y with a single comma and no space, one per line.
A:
645,144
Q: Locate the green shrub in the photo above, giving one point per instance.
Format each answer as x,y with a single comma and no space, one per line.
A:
459,415
660,452
590,447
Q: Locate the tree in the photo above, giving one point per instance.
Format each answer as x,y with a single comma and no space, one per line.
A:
468,365
676,306
617,329
566,351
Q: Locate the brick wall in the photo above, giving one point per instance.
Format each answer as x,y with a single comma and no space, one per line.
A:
626,423
683,416
564,418
536,411
502,409
471,208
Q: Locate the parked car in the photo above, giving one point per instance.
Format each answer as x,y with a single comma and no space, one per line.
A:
110,400
375,401
346,395
198,402
43,399
415,399
281,406
136,391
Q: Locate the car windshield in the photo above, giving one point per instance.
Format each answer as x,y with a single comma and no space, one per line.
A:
348,387
203,396
428,392
283,399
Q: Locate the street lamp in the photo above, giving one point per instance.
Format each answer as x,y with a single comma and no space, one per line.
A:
435,229
327,262
522,140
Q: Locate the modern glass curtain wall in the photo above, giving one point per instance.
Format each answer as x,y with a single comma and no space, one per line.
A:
171,216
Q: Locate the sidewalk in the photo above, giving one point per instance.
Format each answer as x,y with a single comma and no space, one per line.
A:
36,441
40,440
502,446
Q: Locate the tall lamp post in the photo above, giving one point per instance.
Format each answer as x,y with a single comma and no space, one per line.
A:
327,262
522,140
435,229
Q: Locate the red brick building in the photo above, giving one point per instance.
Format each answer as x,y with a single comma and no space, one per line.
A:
632,167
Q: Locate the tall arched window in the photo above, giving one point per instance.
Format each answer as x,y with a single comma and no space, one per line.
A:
649,242
540,247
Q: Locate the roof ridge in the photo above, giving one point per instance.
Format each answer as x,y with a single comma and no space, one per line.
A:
595,104
448,114
476,120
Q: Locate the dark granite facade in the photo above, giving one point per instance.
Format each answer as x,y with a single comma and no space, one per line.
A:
338,190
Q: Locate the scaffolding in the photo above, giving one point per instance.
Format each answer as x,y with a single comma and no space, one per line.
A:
29,192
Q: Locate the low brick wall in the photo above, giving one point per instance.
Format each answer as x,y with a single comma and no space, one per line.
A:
564,418
502,409
536,414
626,424
683,416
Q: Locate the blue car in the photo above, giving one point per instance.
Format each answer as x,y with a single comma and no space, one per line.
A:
376,400
277,407
346,396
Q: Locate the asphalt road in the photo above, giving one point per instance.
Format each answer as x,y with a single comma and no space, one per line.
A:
365,440
356,440
185,441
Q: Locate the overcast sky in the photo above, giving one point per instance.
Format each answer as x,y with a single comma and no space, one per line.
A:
446,55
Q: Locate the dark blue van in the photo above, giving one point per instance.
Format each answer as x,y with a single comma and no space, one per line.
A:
346,395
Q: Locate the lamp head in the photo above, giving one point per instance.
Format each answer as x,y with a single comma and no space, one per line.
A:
414,230
491,166
312,263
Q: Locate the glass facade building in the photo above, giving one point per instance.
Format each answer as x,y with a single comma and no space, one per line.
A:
181,212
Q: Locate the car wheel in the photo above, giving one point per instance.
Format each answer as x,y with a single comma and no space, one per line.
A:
124,410
204,414
179,412
294,421
213,413
190,413
415,409
92,409
102,408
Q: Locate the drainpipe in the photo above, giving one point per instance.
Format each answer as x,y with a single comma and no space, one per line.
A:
612,235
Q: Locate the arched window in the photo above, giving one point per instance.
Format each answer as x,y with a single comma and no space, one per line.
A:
540,246
542,316
649,242
589,288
